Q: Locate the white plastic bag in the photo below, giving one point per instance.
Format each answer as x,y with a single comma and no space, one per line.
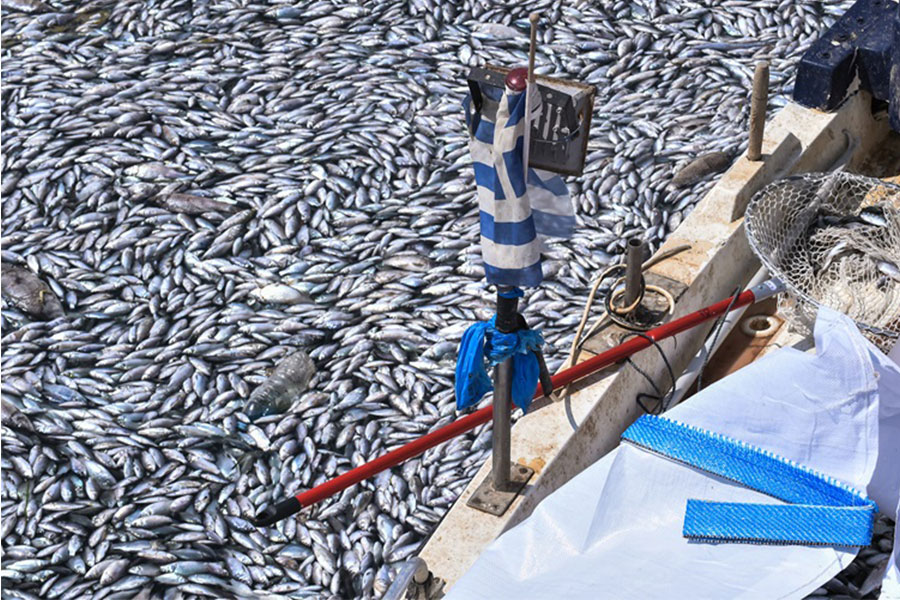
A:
615,529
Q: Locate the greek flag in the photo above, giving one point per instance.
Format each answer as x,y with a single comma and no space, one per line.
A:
514,211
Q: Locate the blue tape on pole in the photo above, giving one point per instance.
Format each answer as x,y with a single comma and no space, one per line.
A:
513,292
821,511
482,343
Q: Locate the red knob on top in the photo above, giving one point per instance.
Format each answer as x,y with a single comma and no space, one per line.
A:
517,79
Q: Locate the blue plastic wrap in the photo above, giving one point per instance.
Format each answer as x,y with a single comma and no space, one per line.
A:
483,345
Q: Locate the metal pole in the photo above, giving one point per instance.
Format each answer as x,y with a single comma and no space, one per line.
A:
533,18
633,260
507,309
289,506
689,375
501,430
758,100
414,571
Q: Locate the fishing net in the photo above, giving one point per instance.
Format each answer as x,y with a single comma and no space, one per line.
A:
834,240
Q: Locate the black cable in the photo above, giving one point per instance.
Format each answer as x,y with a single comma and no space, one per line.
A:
619,319
630,326
660,397
716,329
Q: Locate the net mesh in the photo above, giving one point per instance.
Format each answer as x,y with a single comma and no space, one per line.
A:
834,240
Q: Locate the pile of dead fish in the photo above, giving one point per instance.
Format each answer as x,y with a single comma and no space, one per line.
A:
195,192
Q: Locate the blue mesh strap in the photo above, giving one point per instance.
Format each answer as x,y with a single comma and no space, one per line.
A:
821,509
779,523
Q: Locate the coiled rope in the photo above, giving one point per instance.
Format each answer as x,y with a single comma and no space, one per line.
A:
615,313
578,339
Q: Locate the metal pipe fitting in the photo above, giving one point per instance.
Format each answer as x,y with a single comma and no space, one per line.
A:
758,101
633,260
507,322
413,571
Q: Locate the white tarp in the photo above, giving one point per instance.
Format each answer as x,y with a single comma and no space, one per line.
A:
614,530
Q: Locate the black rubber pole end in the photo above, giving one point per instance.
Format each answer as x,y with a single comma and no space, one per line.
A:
282,510
507,314
544,374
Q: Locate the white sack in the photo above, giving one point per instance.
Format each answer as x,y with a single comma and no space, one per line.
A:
614,531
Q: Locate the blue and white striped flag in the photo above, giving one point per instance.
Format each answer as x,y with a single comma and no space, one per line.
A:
514,212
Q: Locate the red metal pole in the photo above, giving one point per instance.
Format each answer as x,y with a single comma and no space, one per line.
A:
289,506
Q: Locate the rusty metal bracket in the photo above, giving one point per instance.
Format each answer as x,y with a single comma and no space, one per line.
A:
496,502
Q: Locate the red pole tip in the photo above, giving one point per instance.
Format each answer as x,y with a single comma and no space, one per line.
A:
517,79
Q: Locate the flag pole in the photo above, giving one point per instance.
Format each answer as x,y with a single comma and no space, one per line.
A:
529,90
533,17
507,309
